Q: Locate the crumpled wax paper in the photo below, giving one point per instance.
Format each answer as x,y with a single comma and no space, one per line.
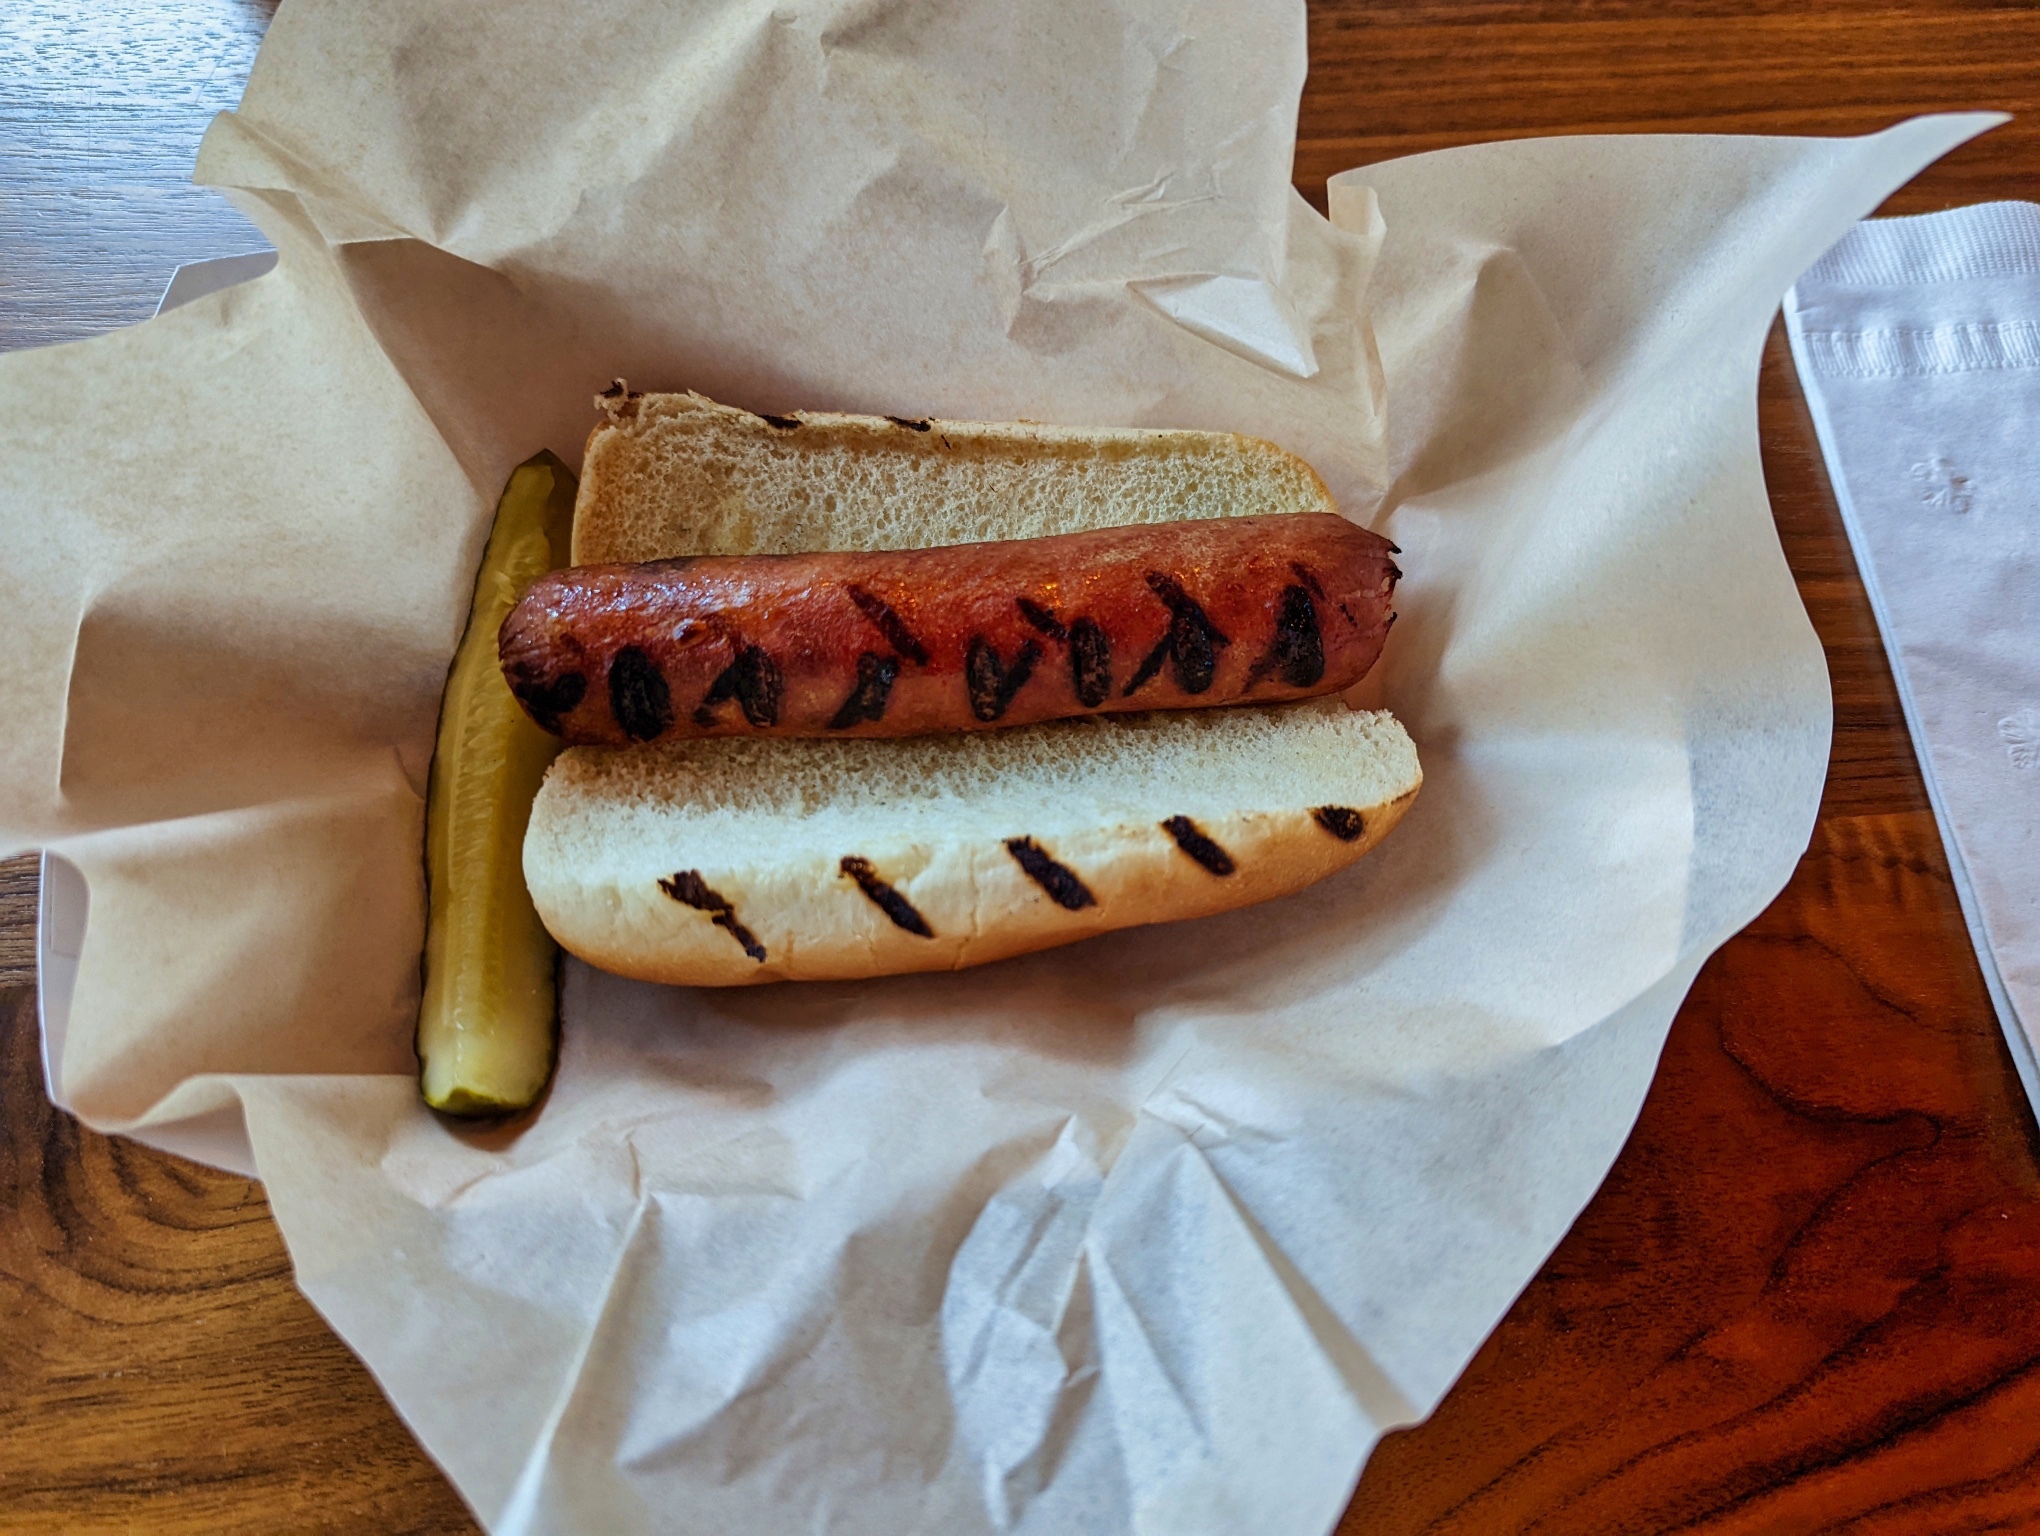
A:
1155,1233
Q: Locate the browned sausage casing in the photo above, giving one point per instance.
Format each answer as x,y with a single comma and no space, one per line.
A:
898,643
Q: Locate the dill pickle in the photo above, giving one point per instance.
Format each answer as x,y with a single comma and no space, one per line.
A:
488,1028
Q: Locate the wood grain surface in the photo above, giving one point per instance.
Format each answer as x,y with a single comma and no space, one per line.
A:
1807,1298
102,105
17,921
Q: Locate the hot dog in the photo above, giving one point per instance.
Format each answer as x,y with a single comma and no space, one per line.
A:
979,576
965,637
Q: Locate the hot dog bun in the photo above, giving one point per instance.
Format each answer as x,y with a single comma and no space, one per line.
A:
670,475
634,853
740,860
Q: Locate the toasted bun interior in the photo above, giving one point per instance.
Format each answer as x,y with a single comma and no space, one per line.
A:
671,475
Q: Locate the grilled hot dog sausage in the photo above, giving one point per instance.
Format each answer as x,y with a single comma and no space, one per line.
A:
898,643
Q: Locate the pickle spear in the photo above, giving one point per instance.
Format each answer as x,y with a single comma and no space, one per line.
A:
488,1029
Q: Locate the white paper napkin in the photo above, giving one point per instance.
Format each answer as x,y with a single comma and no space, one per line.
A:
1918,341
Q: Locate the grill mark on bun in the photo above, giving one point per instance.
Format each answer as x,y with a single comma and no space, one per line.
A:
1061,882
1090,662
1202,850
1296,653
1342,821
867,701
638,695
885,618
753,679
784,423
620,400
1043,619
690,890
885,896
990,681
550,702
909,423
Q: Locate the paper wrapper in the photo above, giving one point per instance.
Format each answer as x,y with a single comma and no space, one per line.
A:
1155,1233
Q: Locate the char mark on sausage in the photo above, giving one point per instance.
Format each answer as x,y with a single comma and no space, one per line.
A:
1090,662
1296,653
992,682
1192,642
1043,619
548,701
867,701
753,679
889,623
638,695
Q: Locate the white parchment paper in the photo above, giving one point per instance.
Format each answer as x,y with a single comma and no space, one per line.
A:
1157,1233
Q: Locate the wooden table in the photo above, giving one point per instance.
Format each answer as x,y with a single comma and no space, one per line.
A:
1807,1298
